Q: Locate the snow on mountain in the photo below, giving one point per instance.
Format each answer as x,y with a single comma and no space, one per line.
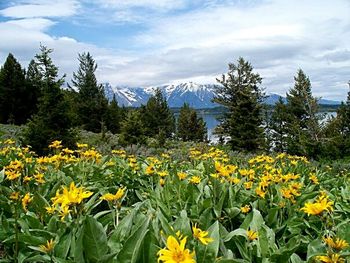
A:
196,95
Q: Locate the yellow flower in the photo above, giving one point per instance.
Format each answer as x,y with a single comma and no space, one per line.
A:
64,212
175,252
26,200
336,243
50,209
56,144
313,178
48,247
245,209
321,204
195,179
163,173
234,180
260,192
181,175
27,179
82,145
150,169
39,178
12,175
14,196
67,151
70,196
161,182
248,185
252,235
114,197
333,258
201,235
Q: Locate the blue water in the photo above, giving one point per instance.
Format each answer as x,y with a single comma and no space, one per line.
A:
212,121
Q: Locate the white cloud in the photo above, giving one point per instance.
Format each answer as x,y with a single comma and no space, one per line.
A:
36,24
28,9
162,5
276,36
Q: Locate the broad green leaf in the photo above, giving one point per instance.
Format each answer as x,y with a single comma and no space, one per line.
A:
130,251
94,240
63,246
210,251
236,232
315,248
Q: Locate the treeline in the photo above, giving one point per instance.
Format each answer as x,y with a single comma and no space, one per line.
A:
295,127
35,98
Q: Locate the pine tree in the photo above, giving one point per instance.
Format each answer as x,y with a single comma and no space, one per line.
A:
337,130
132,129
304,131
158,119
190,127
13,104
279,126
241,95
33,84
114,116
92,104
52,121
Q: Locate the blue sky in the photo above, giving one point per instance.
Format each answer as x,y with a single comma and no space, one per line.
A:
153,42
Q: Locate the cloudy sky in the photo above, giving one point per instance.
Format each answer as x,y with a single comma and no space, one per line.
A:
152,42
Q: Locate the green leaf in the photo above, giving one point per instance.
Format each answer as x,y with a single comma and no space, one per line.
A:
77,246
130,251
63,246
296,259
94,240
212,249
238,232
315,248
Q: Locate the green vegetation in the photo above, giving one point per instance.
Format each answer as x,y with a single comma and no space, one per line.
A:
82,206
190,127
36,99
241,95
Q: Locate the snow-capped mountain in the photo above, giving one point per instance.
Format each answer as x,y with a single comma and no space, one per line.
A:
196,95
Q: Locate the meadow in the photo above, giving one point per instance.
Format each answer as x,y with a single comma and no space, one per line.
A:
187,204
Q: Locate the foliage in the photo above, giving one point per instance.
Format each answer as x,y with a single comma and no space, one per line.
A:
17,97
241,95
132,129
304,131
114,116
157,118
279,126
80,206
338,130
52,120
189,126
92,104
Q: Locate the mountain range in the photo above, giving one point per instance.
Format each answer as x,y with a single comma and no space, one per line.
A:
198,96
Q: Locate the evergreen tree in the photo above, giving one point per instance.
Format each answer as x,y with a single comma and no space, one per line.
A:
304,131
114,116
158,119
33,84
92,104
241,95
337,131
52,121
13,104
279,126
190,127
132,129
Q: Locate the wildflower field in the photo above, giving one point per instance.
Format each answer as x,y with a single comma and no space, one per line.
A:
188,205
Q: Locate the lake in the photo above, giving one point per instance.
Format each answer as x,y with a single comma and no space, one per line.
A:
212,122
